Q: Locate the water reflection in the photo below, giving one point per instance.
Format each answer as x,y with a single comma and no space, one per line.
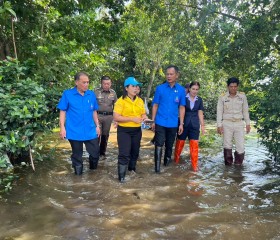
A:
217,202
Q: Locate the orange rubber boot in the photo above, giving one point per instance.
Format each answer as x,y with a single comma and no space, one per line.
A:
194,154
178,150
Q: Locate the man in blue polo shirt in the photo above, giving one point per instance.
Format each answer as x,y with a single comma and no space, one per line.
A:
168,103
79,122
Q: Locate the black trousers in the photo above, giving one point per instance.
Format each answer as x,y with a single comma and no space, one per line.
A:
129,139
165,136
92,148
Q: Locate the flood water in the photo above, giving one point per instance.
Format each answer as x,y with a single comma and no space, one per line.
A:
217,202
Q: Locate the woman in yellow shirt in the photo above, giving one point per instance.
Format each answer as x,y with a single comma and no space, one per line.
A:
129,113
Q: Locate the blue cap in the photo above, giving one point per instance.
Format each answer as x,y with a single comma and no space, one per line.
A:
131,81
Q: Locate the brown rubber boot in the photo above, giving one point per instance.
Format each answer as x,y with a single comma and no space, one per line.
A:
228,156
178,150
238,158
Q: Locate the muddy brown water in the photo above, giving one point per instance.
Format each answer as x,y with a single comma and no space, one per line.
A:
217,202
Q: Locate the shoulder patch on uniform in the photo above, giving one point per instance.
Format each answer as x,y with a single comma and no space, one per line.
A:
242,93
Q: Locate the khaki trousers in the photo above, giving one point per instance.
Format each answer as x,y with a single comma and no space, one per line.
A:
234,131
105,122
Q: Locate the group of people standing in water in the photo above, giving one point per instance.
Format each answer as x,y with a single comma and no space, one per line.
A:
177,114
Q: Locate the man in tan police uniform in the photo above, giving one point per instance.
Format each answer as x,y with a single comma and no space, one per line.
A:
232,111
106,98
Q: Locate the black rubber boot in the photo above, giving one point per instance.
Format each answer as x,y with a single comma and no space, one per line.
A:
132,166
158,154
93,164
121,172
78,170
228,156
167,160
103,145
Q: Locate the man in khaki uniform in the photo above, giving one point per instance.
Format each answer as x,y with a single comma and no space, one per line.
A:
232,111
106,98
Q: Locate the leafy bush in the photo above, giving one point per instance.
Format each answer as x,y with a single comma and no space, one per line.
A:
24,107
267,112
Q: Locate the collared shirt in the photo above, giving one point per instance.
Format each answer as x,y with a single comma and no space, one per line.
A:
128,108
192,110
169,100
191,102
232,108
79,110
106,99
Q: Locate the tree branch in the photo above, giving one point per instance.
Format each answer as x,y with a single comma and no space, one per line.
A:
13,35
217,12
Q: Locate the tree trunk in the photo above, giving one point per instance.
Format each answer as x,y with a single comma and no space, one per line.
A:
152,78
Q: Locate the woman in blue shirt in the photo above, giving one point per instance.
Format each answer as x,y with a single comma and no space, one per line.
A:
193,121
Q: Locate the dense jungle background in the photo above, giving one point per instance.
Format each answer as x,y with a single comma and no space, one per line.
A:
44,43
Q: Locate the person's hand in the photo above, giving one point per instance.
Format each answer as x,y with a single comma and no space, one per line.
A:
153,126
248,128
62,133
220,130
202,129
180,129
98,131
137,119
148,123
115,124
147,120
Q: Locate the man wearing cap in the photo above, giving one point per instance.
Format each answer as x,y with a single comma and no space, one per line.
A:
168,103
106,98
129,112
79,122
232,111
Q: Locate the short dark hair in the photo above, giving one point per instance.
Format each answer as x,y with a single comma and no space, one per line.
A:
79,74
233,80
172,66
194,83
105,78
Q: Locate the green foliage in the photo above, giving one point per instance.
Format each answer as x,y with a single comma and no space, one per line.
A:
268,118
25,106
6,173
209,139
6,183
6,12
208,40
4,162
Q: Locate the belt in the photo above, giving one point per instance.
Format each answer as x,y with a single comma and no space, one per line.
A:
234,120
105,113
